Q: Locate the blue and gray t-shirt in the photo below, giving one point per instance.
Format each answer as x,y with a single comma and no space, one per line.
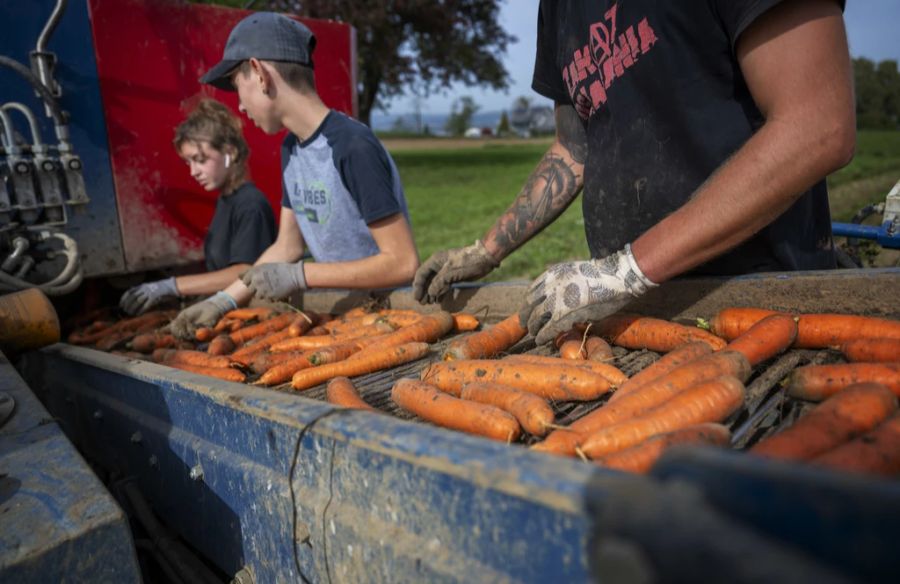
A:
337,182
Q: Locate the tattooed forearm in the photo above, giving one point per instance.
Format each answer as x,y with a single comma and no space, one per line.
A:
551,188
570,132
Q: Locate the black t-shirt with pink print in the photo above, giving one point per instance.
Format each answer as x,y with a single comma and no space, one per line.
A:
661,95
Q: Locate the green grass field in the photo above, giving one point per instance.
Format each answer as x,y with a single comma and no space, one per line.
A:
457,190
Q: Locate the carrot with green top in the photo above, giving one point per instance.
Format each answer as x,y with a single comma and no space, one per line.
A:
643,332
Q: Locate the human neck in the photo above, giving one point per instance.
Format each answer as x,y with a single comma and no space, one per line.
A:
304,114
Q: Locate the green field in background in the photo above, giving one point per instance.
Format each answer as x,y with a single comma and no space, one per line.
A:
455,194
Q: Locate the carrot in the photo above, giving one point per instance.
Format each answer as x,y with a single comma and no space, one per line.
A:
317,341
533,413
489,342
400,320
640,458
262,362
259,313
245,354
765,339
333,353
224,325
872,350
463,321
842,417
383,358
612,374
666,363
263,328
437,407
284,371
356,311
598,349
562,383
221,345
706,402
576,343
188,357
301,325
342,392
877,452
641,332
706,369
428,329
817,382
219,372
814,331
147,342
204,334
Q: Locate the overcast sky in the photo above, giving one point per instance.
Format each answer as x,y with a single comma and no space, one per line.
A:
873,28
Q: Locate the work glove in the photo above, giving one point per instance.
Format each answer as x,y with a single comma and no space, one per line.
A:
275,281
433,278
205,313
574,292
140,299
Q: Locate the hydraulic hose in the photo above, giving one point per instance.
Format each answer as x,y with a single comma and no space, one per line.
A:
66,281
9,140
32,121
59,116
51,25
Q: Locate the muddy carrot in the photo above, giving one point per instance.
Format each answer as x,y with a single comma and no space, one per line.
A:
204,334
665,364
842,417
730,323
219,372
765,339
464,322
817,382
640,458
259,313
489,342
303,343
383,358
285,370
246,353
560,383
262,362
533,413
221,345
437,407
707,402
598,349
609,372
300,325
147,342
224,325
877,452
872,350
265,327
333,353
642,332
188,357
342,392
428,329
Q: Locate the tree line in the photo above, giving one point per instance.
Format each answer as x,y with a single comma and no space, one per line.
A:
877,94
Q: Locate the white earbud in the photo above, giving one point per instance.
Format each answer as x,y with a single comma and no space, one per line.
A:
227,160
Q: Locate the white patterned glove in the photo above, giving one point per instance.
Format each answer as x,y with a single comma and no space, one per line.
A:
139,299
205,313
433,278
275,281
583,291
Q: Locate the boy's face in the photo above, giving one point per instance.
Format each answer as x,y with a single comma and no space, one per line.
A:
257,106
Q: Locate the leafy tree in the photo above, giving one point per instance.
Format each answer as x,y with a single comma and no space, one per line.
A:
461,113
401,42
503,128
877,93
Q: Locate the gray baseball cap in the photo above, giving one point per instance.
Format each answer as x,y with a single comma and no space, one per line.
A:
267,36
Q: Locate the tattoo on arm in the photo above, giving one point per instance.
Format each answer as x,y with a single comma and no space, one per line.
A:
570,132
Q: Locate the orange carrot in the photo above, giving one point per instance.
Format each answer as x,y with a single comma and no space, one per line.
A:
641,332
318,341
262,362
188,357
532,412
221,345
333,353
612,374
219,372
489,342
562,383
765,339
870,350
204,334
598,349
842,417
817,382
285,370
463,321
263,328
147,342
428,329
877,452
245,354
707,402
301,325
342,392
730,323
437,407
383,358
640,458
666,363
224,325
259,313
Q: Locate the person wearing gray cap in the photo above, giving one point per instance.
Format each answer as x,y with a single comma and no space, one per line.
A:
343,199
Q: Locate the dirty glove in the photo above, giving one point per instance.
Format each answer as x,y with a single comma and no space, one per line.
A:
433,278
574,292
275,281
140,299
205,313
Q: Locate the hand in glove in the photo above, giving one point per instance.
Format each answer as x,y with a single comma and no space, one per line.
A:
574,292
275,281
433,278
205,313
140,299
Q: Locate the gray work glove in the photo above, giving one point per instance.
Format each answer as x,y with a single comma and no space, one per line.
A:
205,313
433,278
140,299
275,281
583,291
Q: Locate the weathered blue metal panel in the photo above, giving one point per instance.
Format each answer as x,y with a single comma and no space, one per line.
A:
57,521
295,488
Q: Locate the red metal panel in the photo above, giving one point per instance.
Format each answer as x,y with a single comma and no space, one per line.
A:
150,54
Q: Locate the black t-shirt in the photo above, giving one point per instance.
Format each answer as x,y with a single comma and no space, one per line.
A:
242,227
664,104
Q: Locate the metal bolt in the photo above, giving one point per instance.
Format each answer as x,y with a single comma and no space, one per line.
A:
136,438
196,472
98,415
154,462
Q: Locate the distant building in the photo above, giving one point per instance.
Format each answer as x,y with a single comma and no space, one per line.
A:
527,120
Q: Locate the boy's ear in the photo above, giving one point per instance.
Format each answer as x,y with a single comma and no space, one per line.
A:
261,74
